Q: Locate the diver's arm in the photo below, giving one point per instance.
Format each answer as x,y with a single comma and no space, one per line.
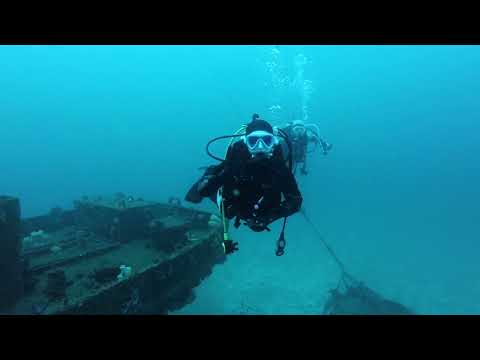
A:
315,138
216,177
210,183
326,147
293,199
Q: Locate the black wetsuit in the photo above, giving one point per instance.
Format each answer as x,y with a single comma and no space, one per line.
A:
299,145
251,181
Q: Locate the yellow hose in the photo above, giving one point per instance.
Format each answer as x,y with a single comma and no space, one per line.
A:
225,229
226,236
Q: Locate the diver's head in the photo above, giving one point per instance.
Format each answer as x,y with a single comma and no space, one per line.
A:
298,129
259,137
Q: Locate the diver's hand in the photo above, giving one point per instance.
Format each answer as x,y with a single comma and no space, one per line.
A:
257,224
211,173
204,182
230,247
259,227
326,147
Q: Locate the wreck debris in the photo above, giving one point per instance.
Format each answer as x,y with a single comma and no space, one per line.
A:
78,268
11,274
56,285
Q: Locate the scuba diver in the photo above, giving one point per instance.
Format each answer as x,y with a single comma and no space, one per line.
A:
300,135
249,183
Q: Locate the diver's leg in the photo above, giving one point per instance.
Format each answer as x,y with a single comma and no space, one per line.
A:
304,160
304,167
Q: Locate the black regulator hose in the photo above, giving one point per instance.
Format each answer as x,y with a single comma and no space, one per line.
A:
281,242
219,138
281,133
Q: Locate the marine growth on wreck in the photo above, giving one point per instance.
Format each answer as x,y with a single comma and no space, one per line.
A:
108,255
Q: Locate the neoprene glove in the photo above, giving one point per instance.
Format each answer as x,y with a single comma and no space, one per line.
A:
230,246
258,224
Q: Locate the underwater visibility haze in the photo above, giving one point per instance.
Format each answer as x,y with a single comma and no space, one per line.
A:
397,197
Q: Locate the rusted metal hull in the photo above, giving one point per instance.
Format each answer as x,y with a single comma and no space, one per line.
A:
73,259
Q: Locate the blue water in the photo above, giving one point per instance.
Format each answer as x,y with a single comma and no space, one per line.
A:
397,198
